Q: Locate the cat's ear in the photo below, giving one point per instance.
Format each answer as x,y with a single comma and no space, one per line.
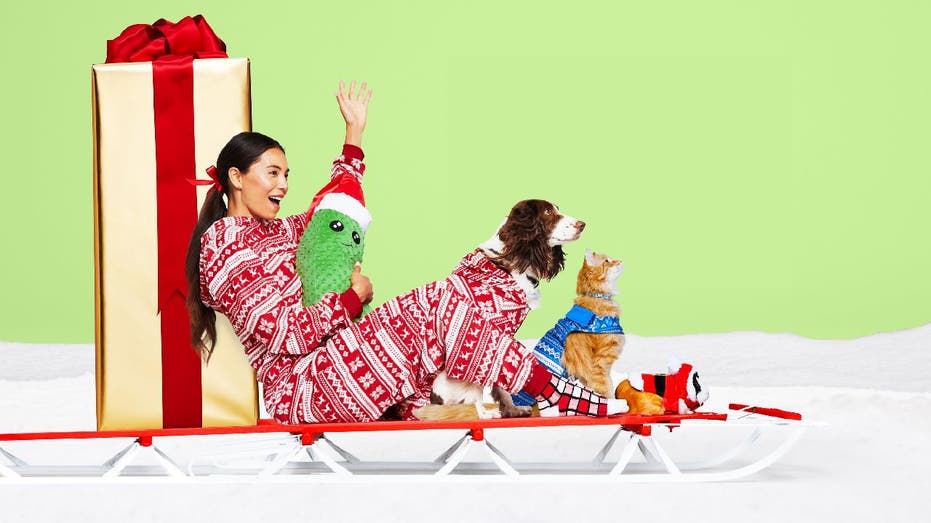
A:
589,257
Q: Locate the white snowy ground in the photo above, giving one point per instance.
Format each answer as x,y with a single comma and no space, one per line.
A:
870,463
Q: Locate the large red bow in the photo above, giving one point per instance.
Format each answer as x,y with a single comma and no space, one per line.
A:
144,42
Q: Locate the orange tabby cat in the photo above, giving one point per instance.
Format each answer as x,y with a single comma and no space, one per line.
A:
589,356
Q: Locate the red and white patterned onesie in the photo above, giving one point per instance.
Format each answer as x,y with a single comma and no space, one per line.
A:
316,365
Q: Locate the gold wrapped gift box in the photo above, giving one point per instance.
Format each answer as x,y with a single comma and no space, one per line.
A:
128,339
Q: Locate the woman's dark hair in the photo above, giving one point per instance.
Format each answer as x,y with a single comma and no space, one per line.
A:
240,152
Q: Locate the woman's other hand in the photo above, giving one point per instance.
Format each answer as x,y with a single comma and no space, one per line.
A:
354,104
361,284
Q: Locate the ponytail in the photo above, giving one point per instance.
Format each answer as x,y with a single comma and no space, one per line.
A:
240,152
203,318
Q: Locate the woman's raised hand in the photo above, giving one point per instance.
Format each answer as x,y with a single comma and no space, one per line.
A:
354,104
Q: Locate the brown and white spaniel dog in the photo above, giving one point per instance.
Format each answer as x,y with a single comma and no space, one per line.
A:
528,245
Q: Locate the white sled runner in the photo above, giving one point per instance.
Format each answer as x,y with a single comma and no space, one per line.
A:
305,452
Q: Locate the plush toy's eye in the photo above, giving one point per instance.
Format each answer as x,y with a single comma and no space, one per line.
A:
356,238
336,225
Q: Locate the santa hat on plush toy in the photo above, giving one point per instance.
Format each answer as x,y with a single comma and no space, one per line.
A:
343,194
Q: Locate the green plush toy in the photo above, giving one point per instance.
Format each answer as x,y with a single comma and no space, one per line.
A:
329,249
334,239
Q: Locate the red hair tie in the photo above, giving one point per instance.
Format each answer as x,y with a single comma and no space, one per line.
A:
214,180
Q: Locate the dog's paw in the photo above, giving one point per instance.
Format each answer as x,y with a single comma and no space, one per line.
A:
513,411
488,410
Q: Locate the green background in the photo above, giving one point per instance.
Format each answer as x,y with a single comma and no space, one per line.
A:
757,165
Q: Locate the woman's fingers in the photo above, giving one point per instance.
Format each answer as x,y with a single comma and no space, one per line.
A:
353,104
362,94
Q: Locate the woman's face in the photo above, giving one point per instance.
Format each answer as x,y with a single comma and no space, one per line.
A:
262,186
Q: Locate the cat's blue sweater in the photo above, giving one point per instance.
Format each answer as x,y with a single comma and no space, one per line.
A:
550,348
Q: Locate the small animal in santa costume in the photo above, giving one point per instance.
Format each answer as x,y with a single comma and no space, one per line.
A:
334,240
678,392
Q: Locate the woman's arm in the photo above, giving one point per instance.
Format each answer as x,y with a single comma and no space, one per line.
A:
354,107
301,330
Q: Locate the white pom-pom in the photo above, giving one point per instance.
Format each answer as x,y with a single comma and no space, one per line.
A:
636,381
673,364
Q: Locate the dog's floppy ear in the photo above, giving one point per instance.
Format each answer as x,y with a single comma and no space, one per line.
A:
556,263
525,235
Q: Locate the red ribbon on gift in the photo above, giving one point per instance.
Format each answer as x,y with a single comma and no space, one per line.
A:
172,47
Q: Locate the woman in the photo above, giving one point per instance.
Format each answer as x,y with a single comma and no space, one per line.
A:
315,364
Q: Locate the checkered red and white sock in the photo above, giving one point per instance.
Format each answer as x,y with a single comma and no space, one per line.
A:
570,398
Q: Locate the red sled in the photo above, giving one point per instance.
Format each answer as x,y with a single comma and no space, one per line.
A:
632,453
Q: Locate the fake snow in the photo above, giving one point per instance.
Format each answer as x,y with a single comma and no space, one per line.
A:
870,463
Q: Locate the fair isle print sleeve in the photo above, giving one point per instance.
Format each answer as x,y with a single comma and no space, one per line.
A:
251,296
297,223
349,161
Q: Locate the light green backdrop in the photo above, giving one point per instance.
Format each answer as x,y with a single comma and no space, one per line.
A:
757,165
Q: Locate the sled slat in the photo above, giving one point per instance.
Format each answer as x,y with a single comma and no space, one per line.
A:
766,411
268,426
